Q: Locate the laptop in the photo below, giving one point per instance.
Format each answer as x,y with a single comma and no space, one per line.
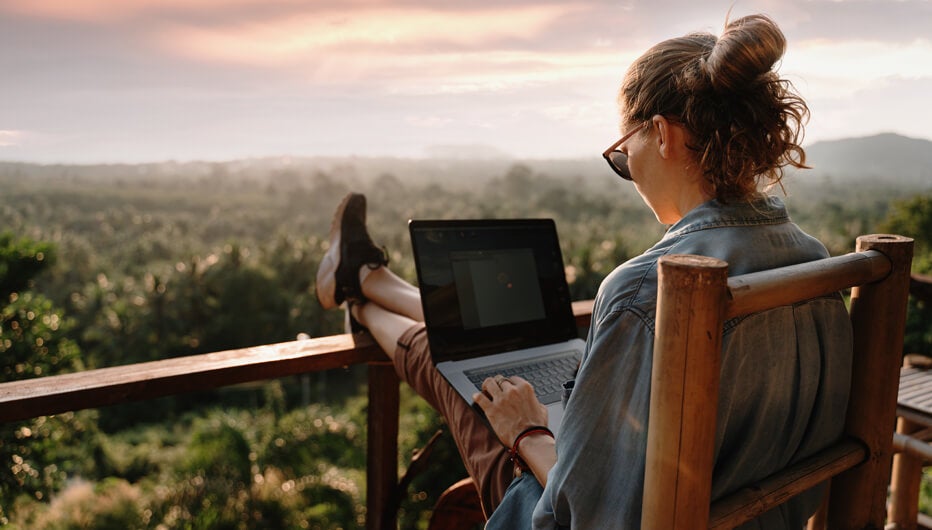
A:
496,301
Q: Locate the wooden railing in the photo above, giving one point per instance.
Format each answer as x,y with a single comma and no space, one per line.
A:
30,398
920,287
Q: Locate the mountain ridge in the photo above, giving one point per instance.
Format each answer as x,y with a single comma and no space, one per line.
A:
887,158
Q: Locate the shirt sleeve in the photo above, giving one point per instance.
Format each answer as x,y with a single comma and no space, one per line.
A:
598,479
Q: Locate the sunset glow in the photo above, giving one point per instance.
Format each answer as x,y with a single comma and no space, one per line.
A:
138,80
378,31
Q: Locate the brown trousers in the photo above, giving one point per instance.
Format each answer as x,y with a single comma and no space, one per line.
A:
485,457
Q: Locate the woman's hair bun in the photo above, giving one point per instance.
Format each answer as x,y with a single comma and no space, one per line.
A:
748,48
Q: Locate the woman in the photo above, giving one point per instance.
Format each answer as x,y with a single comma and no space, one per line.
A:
706,125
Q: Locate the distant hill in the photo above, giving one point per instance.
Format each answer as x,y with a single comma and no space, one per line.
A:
890,159
884,157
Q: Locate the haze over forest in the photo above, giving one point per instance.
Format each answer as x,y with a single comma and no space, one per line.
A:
891,158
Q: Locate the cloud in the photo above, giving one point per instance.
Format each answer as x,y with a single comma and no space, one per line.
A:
10,138
409,49
379,31
841,68
144,79
887,21
110,11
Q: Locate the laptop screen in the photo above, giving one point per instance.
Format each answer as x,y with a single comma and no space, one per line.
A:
489,286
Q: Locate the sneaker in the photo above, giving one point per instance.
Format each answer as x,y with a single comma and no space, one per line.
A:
350,249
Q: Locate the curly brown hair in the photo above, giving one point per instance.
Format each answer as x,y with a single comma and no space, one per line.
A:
745,122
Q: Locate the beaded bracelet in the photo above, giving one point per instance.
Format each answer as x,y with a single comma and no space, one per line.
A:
515,457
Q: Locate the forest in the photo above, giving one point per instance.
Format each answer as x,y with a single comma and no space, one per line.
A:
110,265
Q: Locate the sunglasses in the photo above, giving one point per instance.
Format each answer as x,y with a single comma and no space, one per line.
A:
617,160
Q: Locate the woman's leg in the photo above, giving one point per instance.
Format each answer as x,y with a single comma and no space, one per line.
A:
385,325
394,306
404,340
485,458
391,310
387,289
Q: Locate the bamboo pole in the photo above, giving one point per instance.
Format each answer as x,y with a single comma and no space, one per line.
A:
684,392
913,445
755,499
907,475
878,316
758,291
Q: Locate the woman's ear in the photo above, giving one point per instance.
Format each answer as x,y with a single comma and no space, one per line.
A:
669,137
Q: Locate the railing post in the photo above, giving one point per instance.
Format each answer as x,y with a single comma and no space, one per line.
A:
878,316
905,482
382,450
684,392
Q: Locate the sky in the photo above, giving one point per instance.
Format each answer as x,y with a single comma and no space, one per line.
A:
127,81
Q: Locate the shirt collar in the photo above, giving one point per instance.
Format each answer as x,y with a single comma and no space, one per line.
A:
759,210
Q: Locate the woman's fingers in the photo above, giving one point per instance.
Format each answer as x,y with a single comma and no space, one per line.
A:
520,383
510,405
497,386
482,400
491,387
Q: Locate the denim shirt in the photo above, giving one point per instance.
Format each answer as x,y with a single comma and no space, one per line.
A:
784,382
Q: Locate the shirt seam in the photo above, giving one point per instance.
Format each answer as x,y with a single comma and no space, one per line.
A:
700,226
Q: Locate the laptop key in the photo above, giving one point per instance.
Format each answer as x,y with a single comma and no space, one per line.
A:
546,376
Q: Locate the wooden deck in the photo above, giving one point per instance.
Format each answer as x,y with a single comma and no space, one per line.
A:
914,400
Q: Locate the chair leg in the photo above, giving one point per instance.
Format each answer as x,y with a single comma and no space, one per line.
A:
819,520
904,484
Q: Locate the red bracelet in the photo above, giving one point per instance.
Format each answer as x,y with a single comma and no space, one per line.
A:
515,457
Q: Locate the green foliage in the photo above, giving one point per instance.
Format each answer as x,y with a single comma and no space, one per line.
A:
305,439
217,452
20,261
918,337
913,218
39,454
32,339
112,504
220,470
149,267
925,492
837,213
418,422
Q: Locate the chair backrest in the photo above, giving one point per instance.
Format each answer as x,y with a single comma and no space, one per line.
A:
695,298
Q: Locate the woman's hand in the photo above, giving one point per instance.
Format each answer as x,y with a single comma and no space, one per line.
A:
511,406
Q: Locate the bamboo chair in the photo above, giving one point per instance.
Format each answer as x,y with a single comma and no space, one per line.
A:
695,298
458,508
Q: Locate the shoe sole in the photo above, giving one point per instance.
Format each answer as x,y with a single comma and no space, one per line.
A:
326,274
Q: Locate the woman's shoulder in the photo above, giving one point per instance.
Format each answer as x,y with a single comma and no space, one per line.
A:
633,283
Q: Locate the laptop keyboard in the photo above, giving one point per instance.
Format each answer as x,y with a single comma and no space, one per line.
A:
546,375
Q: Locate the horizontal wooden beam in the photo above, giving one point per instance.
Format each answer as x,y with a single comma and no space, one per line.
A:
180,375
752,501
772,288
913,446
